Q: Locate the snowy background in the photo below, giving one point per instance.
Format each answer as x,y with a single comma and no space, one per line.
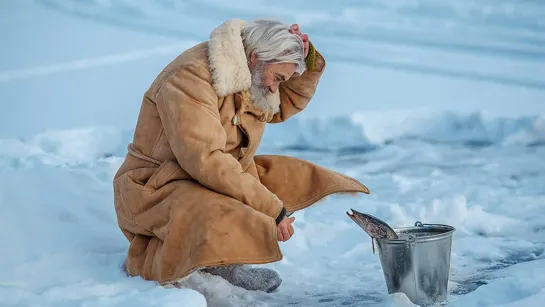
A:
437,106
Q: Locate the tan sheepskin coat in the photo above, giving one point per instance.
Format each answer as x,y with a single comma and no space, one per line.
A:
191,192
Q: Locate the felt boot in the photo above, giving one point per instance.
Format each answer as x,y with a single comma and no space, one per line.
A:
259,279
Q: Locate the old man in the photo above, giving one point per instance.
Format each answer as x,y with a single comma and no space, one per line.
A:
191,194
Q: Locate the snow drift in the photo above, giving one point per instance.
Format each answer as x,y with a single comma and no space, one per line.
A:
368,130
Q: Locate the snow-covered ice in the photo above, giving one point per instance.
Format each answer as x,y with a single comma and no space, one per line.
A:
440,108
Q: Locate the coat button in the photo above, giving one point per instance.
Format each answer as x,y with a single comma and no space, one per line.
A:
243,151
236,120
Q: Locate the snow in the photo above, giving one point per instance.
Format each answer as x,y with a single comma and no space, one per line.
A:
439,108
369,129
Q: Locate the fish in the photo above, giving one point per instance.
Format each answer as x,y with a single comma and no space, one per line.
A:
373,226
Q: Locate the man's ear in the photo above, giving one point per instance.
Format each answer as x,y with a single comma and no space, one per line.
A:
252,58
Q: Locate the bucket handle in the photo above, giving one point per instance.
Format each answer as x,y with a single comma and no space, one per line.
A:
420,224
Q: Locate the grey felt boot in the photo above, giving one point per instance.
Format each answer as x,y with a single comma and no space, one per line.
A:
260,279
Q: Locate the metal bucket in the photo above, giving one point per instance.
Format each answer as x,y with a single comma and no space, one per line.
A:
418,263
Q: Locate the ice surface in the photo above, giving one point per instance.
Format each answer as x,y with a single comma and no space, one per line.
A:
437,107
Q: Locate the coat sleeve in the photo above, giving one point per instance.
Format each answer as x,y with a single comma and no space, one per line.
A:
295,94
188,108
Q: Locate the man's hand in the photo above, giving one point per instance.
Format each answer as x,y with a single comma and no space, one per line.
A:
284,229
295,30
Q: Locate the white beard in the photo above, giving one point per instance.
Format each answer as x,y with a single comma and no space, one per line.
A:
261,95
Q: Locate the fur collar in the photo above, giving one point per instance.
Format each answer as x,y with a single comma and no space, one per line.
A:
229,66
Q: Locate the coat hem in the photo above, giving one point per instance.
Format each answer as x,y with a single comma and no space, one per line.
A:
264,260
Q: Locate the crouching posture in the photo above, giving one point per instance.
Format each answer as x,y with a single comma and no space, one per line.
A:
191,193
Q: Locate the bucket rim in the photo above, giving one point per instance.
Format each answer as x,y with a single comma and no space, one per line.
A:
449,230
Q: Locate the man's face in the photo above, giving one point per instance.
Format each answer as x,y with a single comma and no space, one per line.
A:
266,78
273,74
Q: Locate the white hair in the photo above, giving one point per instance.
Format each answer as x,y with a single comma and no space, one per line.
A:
272,42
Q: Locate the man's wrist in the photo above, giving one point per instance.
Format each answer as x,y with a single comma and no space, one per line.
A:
281,216
310,59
